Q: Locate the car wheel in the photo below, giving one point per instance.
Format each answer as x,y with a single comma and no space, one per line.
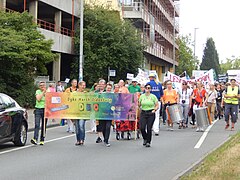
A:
21,136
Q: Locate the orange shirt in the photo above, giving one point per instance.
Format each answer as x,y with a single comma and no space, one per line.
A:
170,96
200,95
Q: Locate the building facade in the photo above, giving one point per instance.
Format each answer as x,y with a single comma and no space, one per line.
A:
157,20
57,20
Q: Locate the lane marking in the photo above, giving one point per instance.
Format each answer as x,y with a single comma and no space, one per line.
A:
31,145
203,137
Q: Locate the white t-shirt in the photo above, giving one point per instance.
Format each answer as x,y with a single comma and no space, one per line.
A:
185,95
212,96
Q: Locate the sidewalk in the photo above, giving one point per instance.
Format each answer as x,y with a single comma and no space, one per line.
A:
31,123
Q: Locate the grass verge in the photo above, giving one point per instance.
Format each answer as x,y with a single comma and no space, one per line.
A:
222,164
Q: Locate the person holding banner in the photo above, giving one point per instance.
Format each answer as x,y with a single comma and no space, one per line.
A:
71,89
231,96
80,123
158,92
39,114
170,97
200,99
101,89
149,105
122,87
106,124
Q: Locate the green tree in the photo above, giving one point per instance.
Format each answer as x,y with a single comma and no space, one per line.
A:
210,58
24,53
108,42
185,55
230,63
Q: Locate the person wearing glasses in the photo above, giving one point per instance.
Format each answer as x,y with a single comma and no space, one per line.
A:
231,96
149,105
39,114
170,97
184,95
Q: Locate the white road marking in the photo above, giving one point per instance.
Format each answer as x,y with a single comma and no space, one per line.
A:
31,145
203,137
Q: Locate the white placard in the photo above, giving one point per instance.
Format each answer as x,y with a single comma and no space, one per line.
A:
67,80
130,76
112,73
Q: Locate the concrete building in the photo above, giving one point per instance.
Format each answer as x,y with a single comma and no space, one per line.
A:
57,20
157,20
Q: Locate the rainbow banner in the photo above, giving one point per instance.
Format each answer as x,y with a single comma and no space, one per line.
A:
104,106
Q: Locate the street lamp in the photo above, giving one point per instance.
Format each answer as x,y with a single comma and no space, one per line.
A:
195,35
174,36
81,41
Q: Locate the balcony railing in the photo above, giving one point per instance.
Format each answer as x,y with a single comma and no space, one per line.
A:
46,25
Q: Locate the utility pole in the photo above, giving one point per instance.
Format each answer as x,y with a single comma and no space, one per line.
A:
194,50
81,41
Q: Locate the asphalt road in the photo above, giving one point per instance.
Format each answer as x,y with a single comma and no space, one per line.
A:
170,155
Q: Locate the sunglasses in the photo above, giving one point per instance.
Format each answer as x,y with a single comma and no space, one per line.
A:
148,87
184,84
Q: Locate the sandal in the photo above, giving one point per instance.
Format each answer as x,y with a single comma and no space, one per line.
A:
77,143
227,126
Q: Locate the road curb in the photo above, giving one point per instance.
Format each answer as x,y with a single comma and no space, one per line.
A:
197,163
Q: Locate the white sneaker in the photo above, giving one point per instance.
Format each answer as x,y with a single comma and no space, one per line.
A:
198,129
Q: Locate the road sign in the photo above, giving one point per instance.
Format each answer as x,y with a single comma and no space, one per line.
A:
112,73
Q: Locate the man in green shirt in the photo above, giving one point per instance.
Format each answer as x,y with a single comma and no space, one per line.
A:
133,88
39,114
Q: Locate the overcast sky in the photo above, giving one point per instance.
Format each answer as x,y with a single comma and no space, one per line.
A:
219,19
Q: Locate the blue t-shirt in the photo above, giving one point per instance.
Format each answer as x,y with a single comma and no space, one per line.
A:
156,89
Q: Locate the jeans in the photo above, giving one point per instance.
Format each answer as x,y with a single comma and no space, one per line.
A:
231,109
185,110
106,126
219,109
39,117
146,122
80,129
164,114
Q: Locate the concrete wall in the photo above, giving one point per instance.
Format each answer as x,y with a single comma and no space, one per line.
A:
62,43
65,5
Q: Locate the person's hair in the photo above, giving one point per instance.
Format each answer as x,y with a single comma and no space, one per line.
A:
232,80
81,82
116,85
41,82
94,85
102,81
73,80
59,81
168,81
108,84
51,84
148,85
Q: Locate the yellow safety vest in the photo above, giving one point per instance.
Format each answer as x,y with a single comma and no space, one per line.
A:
231,92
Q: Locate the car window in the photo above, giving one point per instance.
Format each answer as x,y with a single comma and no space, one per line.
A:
6,101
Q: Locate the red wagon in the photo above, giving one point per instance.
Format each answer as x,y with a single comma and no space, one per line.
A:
128,127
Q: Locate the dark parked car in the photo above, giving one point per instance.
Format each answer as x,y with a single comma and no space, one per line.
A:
13,121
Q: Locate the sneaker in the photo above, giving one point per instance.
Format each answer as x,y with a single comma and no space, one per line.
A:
201,130
198,130
171,129
156,134
148,145
34,141
99,140
144,142
41,143
107,144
